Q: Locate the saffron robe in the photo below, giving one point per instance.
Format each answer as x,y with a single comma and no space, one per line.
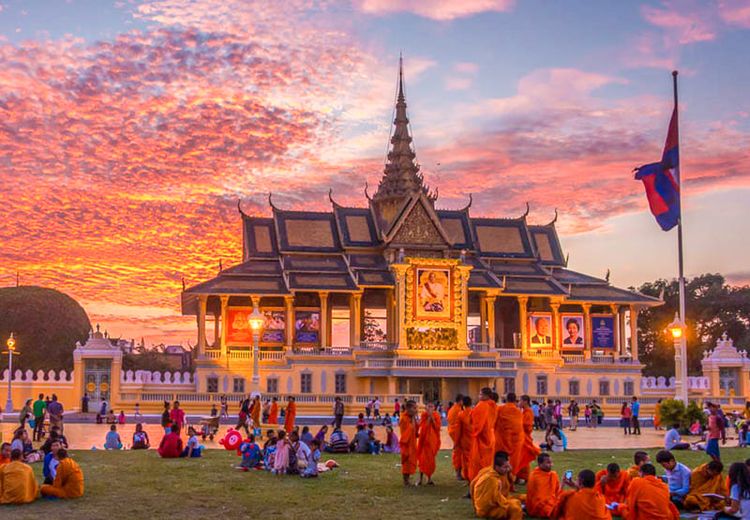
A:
273,414
17,483
428,442
291,414
483,434
614,490
255,413
454,429
489,496
510,437
634,471
68,481
648,499
408,444
530,450
585,503
465,440
701,483
542,492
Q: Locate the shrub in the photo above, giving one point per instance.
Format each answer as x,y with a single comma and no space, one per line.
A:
672,411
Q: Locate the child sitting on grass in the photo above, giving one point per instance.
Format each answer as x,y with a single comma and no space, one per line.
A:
311,471
251,454
112,440
193,448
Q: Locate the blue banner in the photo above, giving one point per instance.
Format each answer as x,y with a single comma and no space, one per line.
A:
603,331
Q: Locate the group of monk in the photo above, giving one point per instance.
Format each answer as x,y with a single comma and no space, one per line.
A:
19,486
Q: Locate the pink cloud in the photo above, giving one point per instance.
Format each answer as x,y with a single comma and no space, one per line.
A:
735,12
442,10
686,22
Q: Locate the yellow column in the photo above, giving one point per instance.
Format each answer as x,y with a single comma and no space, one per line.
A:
201,324
634,332
224,318
623,341
555,325
523,318
400,331
491,322
461,320
615,312
323,319
114,391
587,327
289,332
389,316
483,318
355,321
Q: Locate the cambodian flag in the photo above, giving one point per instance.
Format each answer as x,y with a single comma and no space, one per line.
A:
662,180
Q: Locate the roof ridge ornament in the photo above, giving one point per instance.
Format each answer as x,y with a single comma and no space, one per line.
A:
330,197
270,202
526,213
239,208
466,208
367,194
552,223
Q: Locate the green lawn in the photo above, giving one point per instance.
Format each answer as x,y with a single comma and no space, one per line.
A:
135,484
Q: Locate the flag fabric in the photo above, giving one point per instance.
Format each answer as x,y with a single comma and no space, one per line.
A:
662,180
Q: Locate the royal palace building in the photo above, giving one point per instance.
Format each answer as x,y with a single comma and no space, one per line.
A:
400,298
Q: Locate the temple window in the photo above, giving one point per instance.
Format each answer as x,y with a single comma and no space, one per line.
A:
603,387
574,388
238,385
375,326
212,385
305,383
628,388
541,385
272,385
340,384
340,327
509,385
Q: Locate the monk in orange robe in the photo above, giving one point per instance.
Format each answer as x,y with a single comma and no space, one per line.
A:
543,488
273,413
255,412
454,428
613,484
482,432
490,491
68,481
639,459
529,450
17,482
586,502
648,498
407,424
428,443
509,435
465,438
291,414
4,454
657,416
706,478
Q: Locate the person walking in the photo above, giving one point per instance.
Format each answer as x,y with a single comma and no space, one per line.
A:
338,413
55,411
573,411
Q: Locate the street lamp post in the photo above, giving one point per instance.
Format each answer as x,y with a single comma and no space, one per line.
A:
11,343
256,320
677,328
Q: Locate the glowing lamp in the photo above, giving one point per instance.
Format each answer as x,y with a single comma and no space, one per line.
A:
676,328
256,320
11,342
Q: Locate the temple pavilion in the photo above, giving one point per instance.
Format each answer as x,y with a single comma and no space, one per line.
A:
400,298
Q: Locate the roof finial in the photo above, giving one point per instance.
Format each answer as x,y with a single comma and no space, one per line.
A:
270,201
526,213
330,197
183,284
239,207
401,76
367,194
471,199
554,219
606,276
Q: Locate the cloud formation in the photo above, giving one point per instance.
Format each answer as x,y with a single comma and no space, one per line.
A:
442,10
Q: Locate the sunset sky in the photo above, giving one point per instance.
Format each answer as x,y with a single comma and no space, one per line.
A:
129,130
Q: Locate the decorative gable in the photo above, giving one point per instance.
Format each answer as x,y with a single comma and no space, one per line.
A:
417,227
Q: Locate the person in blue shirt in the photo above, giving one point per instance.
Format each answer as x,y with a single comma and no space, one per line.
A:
112,441
49,469
678,477
673,441
635,409
251,454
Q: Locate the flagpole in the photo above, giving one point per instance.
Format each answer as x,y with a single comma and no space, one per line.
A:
682,376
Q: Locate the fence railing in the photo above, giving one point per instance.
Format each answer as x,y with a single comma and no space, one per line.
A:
210,397
509,353
377,345
479,347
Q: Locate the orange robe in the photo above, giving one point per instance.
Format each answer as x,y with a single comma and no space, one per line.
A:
542,491
634,471
586,503
454,429
68,481
614,490
489,496
255,413
408,444
273,414
510,437
4,461
701,483
428,442
291,415
529,448
648,499
465,440
657,416
17,483
483,433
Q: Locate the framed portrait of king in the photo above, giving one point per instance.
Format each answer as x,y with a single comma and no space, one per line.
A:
540,329
432,294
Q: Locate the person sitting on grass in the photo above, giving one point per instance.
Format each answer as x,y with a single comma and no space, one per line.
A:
613,484
18,485
584,502
361,420
489,492
739,491
193,449
673,441
639,459
68,481
543,488
361,442
121,417
678,477
251,455
112,441
170,446
321,436
22,442
269,454
54,435
338,443
281,457
5,452
140,438
311,470
648,497
306,436
49,469
111,418
391,441
706,479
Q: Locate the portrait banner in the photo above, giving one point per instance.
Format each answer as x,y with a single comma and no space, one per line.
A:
307,326
572,331
540,329
274,326
432,294
238,327
603,331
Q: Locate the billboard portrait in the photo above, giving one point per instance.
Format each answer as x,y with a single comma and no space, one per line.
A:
307,326
540,329
238,328
433,294
274,326
603,331
572,332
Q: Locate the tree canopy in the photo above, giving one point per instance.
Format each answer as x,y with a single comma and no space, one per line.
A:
46,323
712,308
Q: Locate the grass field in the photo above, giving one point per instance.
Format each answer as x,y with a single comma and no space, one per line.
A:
140,485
